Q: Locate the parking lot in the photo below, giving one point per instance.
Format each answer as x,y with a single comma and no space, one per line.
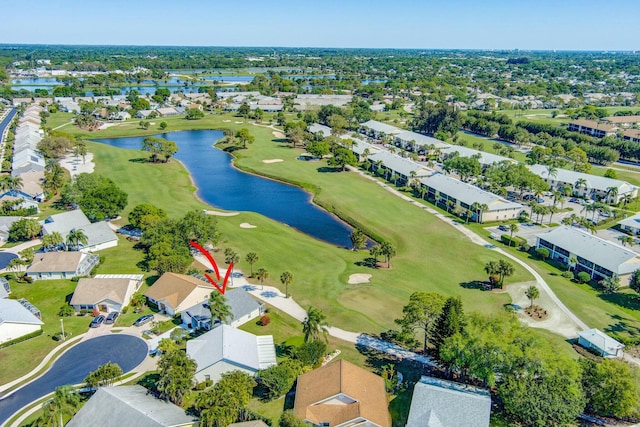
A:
526,230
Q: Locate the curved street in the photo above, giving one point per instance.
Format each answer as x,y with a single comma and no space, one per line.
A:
73,366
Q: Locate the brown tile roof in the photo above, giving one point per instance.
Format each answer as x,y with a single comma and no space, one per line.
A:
595,125
174,288
339,392
93,291
622,119
54,262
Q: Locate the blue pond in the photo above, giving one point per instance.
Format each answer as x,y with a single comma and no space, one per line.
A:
74,365
223,186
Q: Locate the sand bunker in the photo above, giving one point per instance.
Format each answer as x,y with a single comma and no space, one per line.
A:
278,134
226,121
358,278
272,161
238,123
220,213
247,225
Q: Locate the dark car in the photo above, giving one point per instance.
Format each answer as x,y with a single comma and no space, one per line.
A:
97,321
111,317
503,227
143,319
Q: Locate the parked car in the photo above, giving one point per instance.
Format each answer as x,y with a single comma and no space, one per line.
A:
574,200
111,317
97,321
503,227
540,200
143,319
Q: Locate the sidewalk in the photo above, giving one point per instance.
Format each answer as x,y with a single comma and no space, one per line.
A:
567,324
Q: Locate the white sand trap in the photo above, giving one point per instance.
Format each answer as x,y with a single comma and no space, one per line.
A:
278,134
76,165
226,121
272,161
356,279
247,225
220,213
239,123
107,125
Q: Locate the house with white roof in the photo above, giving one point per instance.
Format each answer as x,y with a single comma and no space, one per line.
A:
226,349
598,257
376,129
601,343
441,403
485,159
99,234
404,168
243,309
317,128
16,320
631,224
586,185
412,141
442,189
131,405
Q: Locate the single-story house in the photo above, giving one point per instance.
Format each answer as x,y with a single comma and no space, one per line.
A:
22,200
174,293
341,393
131,405
631,224
5,288
243,309
16,320
442,189
586,185
61,265
405,169
586,252
5,226
99,234
316,128
485,159
105,294
440,403
603,344
225,349
376,129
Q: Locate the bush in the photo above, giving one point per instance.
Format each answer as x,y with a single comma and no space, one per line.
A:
66,311
542,253
289,419
278,380
264,320
524,247
125,309
567,274
583,277
516,241
23,338
311,353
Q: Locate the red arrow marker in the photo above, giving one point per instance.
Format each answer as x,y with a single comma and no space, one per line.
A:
215,268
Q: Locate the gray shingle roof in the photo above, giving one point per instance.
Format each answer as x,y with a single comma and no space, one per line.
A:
632,221
97,233
440,403
420,139
129,406
381,127
400,165
606,254
238,299
485,159
232,345
317,127
467,193
11,311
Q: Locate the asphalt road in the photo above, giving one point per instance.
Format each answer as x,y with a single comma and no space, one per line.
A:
74,365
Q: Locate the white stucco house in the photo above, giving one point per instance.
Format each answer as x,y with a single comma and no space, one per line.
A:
16,320
61,265
105,293
99,234
243,309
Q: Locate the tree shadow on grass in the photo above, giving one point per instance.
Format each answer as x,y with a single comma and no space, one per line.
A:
622,326
324,169
623,300
367,262
475,284
139,160
232,148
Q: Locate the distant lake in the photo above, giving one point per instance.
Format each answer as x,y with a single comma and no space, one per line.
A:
225,187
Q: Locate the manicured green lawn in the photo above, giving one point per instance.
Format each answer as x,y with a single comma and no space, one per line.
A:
432,256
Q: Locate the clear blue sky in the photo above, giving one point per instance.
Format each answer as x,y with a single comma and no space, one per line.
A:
460,24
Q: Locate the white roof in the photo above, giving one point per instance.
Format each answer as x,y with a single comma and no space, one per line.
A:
614,258
601,340
381,127
65,222
420,139
467,193
361,145
571,177
11,311
234,346
485,158
632,221
400,164
317,127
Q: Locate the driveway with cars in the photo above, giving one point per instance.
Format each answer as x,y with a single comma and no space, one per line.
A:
74,365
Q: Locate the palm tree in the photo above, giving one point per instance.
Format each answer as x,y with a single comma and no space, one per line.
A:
315,322
552,171
219,308
286,278
532,293
505,269
491,268
389,251
262,275
65,402
75,238
375,252
252,258
13,183
581,183
52,240
513,228
612,194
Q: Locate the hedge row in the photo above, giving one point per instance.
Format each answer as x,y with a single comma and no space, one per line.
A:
22,338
